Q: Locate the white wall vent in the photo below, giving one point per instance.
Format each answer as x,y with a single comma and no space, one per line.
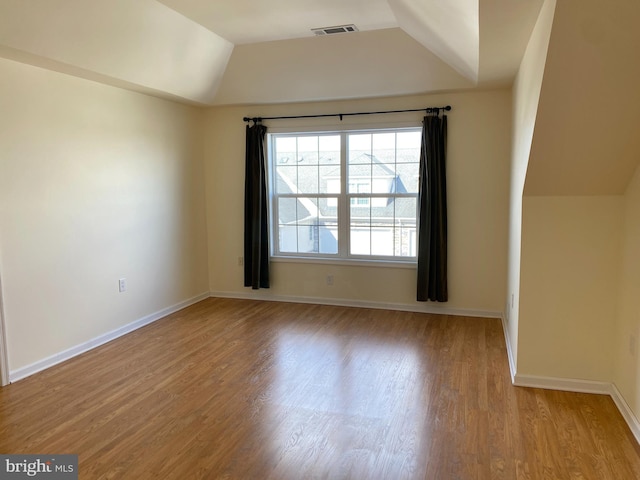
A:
334,30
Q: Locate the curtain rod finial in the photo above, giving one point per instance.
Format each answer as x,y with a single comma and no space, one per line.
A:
252,119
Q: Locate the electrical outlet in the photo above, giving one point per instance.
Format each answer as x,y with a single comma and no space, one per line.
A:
329,279
512,297
122,285
240,261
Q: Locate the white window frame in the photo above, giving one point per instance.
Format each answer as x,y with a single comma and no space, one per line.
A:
344,200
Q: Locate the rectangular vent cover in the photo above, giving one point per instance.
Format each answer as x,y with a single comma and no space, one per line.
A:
334,30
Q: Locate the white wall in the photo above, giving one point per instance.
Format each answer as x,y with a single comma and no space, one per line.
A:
569,282
526,94
572,216
478,164
96,183
626,359
4,359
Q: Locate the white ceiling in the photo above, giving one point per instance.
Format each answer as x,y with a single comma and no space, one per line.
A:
242,22
218,52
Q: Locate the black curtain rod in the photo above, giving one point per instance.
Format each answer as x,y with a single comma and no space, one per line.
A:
435,110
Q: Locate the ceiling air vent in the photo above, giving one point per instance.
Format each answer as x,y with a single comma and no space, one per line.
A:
334,30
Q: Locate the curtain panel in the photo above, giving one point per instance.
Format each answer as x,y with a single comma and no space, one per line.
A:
432,217
256,227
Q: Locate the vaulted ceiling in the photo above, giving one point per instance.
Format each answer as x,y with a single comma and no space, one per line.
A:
221,52
586,139
235,51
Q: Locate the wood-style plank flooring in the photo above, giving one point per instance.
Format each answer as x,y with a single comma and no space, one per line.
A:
239,389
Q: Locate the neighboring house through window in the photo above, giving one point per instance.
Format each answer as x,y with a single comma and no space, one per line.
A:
345,195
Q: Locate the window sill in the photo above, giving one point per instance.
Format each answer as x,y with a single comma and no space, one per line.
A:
352,262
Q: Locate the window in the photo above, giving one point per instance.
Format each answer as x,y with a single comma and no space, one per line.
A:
345,195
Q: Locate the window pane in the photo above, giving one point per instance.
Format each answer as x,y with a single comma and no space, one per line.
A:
360,141
360,241
409,140
382,241
381,229
408,150
307,210
384,141
359,148
308,150
382,177
329,179
286,211
285,148
360,213
406,241
405,221
360,227
328,209
287,239
359,178
329,148
286,179
307,179
384,148
306,239
407,178
328,237
406,210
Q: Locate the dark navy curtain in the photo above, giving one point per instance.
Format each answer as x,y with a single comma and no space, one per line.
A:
432,215
256,227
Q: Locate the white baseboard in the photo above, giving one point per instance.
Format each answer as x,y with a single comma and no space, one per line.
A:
549,383
626,411
52,360
564,384
510,357
426,307
4,358
572,385
584,386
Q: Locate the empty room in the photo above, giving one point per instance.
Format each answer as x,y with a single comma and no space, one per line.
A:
349,239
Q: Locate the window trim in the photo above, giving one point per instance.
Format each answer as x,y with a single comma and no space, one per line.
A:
343,199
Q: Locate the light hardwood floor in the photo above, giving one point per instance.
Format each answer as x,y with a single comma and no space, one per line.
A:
239,389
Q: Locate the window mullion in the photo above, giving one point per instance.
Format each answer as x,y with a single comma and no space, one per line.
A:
272,199
343,202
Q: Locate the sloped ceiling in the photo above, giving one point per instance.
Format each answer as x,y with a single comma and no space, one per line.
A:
450,29
138,44
213,52
287,71
586,139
